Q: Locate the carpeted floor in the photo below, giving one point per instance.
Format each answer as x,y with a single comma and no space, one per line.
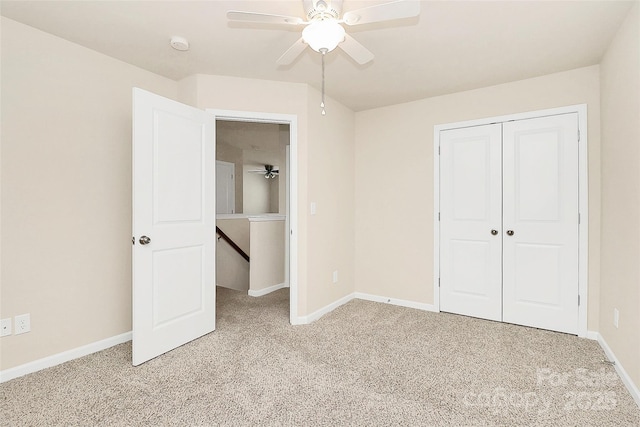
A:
364,364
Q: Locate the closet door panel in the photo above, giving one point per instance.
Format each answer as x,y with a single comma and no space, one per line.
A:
540,244
470,207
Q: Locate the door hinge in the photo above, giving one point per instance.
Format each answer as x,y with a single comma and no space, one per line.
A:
438,216
438,282
438,150
578,135
578,300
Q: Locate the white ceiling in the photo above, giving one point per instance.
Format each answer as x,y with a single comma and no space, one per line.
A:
452,46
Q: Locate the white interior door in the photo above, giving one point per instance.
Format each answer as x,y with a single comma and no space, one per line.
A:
225,187
541,222
174,214
470,221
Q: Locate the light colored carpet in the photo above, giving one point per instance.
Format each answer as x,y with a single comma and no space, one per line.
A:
363,364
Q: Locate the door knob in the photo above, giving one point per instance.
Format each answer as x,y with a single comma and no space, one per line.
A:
509,232
494,232
144,240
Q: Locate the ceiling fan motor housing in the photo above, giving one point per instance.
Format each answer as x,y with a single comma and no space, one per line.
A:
318,8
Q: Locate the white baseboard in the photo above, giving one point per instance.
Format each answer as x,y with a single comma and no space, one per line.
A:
261,292
592,335
305,320
238,288
626,379
395,301
65,356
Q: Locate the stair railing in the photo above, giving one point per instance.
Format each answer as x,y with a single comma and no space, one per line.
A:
231,243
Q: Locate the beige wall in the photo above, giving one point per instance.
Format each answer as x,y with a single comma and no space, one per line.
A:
331,186
325,174
256,192
620,288
267,254
232,271
66,191
237,230
394,178
274,194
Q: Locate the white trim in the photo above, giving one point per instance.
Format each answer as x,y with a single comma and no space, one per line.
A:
583,227
436,218
65,356
395,301
265,291
292,121
305,320
578,108
253,217
626,379
263,218
592,335
583,196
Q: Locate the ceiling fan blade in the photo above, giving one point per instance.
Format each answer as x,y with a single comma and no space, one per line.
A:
359,53
383,12
292,53
263,18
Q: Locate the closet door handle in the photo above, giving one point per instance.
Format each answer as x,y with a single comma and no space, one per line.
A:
144,240
509,232
494,232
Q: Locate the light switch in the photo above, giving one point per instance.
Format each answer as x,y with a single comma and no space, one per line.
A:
313,208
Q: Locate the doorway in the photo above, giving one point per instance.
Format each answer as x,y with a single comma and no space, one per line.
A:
286,187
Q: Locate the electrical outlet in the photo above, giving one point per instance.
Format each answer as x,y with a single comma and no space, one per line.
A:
616,317
335,276
23,323
5,327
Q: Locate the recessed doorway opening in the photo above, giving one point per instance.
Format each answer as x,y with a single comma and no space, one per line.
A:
261,213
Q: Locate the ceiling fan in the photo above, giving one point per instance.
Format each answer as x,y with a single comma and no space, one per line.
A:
269,171
323,30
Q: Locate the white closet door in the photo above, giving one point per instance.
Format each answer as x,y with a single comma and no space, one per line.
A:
540,201
470,208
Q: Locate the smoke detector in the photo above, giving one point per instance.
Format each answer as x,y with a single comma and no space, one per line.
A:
179,43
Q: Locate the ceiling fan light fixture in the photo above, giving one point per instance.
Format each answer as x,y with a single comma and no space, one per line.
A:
324,34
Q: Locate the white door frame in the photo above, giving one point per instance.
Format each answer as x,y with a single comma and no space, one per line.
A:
583,199
292,177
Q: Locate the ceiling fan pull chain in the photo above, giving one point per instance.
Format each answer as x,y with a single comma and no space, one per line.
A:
324,52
